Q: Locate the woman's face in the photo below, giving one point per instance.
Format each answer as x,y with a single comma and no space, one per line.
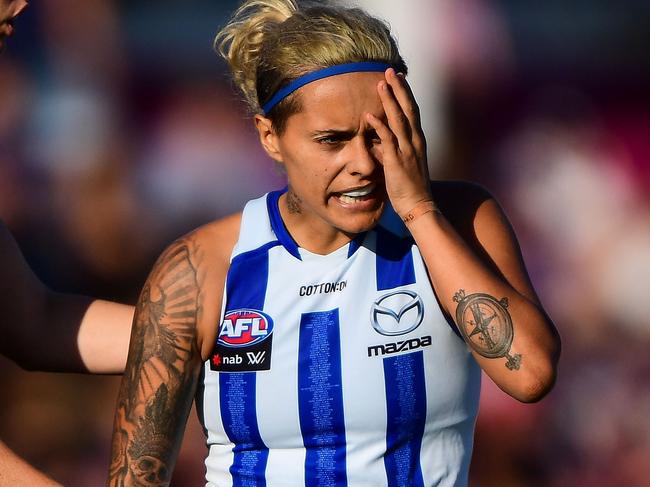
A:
9,10
332,155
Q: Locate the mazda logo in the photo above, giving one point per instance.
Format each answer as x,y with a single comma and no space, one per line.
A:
397,313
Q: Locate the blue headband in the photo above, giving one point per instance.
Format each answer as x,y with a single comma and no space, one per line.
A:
301,81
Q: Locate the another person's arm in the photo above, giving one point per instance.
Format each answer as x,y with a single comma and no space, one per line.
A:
16,472
56,332
103,336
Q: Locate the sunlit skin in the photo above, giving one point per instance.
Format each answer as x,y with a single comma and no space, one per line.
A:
333,146
9,10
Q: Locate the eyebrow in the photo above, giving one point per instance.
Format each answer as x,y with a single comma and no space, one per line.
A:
343,133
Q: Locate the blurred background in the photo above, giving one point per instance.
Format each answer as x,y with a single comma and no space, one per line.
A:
119,131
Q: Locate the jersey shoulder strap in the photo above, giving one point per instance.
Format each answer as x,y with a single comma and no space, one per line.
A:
255,229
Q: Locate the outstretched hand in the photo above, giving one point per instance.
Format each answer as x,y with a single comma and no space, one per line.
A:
403,144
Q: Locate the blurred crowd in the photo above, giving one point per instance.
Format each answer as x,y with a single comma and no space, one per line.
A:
119,131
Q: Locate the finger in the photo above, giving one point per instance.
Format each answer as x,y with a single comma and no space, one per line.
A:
404,96
388,141
397,120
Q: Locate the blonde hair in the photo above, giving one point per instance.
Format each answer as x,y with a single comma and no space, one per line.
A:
268,43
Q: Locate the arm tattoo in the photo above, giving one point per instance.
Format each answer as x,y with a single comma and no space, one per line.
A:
160,376
487,326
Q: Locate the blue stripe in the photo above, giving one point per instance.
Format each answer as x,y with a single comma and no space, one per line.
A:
403,375
355,243
406,412
320,399
282,93
238,413
246,288
394,260
278,225
247,278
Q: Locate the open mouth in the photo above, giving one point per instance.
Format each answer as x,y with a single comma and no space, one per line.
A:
358,194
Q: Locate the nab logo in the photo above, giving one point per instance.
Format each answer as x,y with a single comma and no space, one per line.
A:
244,327
244,343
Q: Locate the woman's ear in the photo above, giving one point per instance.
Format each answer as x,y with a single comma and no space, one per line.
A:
268,137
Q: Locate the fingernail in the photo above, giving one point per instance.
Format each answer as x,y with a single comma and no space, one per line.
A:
401,75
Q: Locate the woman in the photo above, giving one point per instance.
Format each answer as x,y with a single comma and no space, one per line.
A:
327,341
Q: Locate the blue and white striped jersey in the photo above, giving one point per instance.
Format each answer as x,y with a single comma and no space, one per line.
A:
333,370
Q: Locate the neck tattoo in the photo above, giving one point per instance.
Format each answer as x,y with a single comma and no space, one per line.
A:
293,202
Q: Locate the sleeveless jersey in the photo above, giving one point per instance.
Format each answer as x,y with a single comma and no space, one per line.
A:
334,370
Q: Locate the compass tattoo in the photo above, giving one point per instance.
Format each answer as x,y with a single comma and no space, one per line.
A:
486,325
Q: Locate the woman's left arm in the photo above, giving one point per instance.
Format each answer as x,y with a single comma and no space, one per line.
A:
490,297
494,306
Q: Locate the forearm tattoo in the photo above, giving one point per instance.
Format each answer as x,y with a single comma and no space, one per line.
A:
487,326
160,376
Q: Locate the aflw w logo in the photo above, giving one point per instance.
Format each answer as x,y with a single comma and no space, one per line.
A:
255,358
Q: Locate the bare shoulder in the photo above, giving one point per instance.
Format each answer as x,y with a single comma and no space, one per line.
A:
473,211
481,222
219,236
211,246
458,198
460,202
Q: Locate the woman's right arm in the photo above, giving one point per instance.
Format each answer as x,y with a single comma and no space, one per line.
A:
161,373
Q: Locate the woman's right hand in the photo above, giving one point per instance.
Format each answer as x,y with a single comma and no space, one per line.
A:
403,144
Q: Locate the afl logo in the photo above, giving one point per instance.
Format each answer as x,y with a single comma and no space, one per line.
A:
244,327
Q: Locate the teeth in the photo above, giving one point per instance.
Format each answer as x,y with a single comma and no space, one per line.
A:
359,193
347,199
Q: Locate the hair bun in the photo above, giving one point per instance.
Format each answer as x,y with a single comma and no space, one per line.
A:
240,41
269,43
